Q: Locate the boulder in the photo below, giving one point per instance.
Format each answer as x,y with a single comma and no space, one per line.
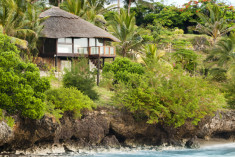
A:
6,133
111,141
193,143
222,122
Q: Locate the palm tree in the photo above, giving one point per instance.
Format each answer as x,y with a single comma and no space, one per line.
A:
138,2
150,54
77,7
12,21
34,23
90,10
19,20
214,25
123,27
223,54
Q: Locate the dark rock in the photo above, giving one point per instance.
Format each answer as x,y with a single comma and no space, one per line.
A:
109,127
67,150
193,143
111,141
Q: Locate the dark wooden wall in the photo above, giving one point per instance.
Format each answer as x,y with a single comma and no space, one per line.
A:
48,48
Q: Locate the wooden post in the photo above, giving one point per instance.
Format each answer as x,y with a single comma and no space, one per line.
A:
73,46
103,61
56,58
98,72
56,62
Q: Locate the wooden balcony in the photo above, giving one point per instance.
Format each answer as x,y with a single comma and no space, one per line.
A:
92,52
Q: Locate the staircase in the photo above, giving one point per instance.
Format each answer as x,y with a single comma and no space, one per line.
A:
94,62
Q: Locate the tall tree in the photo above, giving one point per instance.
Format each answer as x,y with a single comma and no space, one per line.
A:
123,27
19,19
142,2
223,54
214,24
90,10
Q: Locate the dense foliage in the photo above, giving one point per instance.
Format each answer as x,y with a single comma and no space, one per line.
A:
168,96
124,28
186,58
81,78
20,20
67,99
22,89
90,10
181,71
123,70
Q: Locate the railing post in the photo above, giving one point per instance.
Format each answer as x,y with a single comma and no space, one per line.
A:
89,51
109,50
99,50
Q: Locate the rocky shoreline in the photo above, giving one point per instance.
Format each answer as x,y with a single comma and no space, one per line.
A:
106,128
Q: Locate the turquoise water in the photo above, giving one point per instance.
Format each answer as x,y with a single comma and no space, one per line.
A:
210,151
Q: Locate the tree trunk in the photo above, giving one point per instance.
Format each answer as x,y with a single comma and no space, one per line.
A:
119,6
129,7
124,53
58,3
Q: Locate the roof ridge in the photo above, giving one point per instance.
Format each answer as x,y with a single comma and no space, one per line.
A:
57,12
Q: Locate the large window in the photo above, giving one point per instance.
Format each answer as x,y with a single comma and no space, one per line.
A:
92,42
81,45
64,45
100,42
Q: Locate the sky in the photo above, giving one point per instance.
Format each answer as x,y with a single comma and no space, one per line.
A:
181,2
178,2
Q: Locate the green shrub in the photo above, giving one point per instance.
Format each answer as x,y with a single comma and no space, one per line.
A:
170,97
218,74
181,44
229,89
81,78
123,69
67,99
22,89
186,58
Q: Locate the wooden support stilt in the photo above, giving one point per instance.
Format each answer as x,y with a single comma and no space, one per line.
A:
98,72
103,61
56,63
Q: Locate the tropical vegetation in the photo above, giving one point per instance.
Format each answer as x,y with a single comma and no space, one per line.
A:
174,64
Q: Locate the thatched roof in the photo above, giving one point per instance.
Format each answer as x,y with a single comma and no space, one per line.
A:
61,24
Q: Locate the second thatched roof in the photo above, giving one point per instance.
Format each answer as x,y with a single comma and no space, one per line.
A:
62,24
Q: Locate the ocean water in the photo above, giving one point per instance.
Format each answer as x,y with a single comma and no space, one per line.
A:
222,150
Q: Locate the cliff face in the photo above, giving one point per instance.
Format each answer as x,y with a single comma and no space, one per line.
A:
107,127
221,125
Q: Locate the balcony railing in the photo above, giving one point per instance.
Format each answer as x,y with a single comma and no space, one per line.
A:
97,50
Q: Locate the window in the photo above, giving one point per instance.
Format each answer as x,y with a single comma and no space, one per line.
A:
63,48
81,45
65,40
92,42
100,42
64,45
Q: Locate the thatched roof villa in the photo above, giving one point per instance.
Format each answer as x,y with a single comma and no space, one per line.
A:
66,36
